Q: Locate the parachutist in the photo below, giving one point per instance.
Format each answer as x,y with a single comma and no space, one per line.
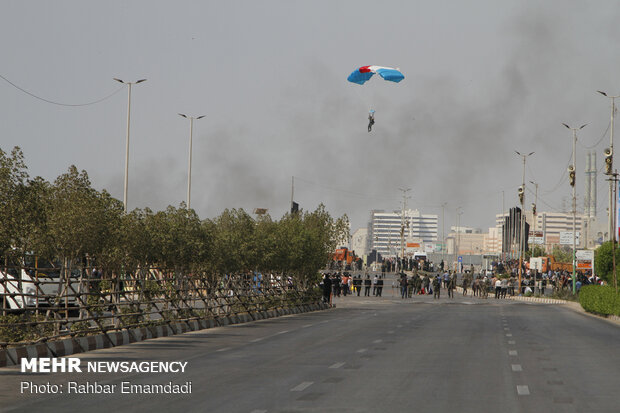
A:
371,119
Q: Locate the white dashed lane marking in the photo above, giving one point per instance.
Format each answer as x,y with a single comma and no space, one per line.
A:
511,342
303,386
377,341
391,332
224,349
512,353
336,365
523,390
508,335
362,350
516,367
258,411
256,340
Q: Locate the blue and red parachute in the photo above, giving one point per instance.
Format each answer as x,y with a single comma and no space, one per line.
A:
364,73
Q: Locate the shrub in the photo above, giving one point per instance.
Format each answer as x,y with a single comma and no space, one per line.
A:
600,299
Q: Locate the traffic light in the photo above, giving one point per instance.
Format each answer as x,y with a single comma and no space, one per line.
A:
533,208
571,175
521,191
608,160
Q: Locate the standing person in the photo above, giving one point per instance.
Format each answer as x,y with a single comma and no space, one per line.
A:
426,284
358,284
465,284
367,283
327,288
452,285
446,277
436,287
504,288
374,285
403,287
379,287
498,288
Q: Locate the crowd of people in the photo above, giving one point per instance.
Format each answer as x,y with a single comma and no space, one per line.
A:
426,278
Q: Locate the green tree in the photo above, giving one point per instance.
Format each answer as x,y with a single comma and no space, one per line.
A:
13,176
603,262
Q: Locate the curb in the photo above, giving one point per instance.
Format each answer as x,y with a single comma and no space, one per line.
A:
12,356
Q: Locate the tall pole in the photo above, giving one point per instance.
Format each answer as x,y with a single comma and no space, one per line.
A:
292,191
129,84
189,166
573,184
127,148
402,225
612,233
522,231
443,232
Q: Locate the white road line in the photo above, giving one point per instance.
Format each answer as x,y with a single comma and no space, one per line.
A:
508,335
377,341
391,332
511,342
224,349
307,325
256,340
523,390
303,386
336,365
506,328
516,367
282,332
362,350
512,353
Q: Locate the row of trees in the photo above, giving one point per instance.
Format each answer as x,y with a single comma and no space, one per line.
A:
69,220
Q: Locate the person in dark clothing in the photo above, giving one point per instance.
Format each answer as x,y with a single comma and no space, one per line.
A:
327,288
379,287
371,119
367,283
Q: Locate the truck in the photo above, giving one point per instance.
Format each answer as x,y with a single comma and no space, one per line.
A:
345,257
23,288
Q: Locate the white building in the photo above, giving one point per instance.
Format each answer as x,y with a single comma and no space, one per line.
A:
359,241
384,230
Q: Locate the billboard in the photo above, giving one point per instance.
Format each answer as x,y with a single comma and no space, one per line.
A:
566,237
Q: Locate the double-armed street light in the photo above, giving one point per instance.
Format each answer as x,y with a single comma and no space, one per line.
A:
129,84
572,170
189,166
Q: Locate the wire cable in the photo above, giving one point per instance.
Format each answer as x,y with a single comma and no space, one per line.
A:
59,103
599,141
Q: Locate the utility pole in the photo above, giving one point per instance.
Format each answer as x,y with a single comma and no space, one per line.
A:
521,232
612,233
402,224
572,170
613,178
443,232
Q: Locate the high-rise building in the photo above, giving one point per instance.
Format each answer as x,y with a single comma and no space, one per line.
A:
384,230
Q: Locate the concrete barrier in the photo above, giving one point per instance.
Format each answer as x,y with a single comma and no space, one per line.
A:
12,356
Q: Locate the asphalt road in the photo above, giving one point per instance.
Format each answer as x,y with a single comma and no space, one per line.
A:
367,355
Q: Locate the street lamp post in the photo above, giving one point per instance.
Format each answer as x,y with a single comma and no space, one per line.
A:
458,236
572,183
127,140
612,232
189,166
521,232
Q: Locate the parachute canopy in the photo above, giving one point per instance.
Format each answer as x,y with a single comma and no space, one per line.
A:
364,73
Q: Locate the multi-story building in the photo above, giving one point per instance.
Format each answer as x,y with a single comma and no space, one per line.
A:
549,225
359,241
384,230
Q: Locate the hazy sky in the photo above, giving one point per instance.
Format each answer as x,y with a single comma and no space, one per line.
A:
482,79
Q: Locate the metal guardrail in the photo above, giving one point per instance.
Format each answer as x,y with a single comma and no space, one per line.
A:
148,297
